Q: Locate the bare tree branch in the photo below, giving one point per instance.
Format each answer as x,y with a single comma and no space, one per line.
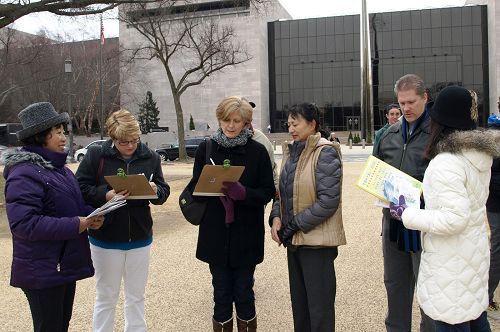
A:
31,69
12,10
189,41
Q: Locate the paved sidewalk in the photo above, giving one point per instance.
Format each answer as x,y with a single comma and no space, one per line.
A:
346,150
179,291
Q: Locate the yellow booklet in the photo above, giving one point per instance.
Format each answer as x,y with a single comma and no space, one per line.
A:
212,177
137,184
387,183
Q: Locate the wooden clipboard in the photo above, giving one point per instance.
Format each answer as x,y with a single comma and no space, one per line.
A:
137,184
212,177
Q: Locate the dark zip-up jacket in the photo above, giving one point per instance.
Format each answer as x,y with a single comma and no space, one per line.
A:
493,203
133,222
405,153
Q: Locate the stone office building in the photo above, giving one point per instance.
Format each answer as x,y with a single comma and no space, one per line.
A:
249,79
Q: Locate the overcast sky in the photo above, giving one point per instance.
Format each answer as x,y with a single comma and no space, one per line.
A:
88,28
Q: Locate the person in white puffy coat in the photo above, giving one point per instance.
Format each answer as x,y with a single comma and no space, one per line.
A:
452,286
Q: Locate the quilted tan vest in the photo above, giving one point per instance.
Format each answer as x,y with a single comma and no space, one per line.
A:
331,232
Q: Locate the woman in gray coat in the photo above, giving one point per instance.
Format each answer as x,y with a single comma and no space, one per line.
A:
307,219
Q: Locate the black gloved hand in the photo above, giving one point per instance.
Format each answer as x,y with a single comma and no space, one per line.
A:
286,233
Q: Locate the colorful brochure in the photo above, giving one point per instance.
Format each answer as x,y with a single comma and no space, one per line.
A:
387,183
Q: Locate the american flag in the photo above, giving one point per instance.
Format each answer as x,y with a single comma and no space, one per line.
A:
102,32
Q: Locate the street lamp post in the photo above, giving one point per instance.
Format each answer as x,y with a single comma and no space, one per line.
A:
68,71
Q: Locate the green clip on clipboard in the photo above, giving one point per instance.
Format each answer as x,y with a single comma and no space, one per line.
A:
212,177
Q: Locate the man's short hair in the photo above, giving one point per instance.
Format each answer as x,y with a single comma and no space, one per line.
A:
410,82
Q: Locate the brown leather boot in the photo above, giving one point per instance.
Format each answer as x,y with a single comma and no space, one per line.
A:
246,325
227,326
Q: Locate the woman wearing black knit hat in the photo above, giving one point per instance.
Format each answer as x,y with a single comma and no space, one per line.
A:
452,286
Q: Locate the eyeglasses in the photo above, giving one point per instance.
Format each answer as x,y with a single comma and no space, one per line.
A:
126,143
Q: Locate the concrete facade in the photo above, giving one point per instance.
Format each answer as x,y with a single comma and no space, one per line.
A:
493,49
249,79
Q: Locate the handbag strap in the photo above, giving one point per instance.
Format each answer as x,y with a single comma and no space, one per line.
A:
208,152
99,170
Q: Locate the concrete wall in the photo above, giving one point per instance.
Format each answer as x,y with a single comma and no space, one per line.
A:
249,79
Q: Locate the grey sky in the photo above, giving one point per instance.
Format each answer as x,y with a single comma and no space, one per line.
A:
88,27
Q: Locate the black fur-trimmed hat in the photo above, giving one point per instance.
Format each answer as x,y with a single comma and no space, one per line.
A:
38,117
455,107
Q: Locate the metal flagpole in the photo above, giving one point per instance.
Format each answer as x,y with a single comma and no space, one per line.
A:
366,76
100,81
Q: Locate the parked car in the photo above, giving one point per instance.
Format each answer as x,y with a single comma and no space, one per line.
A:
80,153
3,148
172,152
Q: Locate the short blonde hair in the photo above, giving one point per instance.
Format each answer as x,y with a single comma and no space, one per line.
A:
122,124
232,104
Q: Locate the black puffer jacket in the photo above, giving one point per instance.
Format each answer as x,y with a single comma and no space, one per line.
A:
133,222
242,242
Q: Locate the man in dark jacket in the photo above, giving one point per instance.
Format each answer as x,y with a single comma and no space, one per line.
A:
403,146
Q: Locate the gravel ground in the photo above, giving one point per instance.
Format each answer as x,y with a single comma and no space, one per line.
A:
179,291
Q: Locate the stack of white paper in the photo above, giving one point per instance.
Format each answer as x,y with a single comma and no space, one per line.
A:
116,202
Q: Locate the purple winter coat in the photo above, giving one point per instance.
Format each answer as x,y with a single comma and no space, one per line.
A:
43,203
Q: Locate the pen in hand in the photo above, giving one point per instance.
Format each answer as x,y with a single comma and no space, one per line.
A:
151,177
212,161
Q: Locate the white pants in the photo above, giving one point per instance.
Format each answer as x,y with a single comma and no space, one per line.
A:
110,266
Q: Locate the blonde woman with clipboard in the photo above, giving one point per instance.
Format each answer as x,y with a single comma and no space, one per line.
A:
231,234
121,248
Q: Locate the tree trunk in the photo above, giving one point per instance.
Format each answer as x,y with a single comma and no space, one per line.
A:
180,127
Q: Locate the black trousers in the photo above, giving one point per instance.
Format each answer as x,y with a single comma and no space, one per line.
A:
313,287
51,308
233,285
